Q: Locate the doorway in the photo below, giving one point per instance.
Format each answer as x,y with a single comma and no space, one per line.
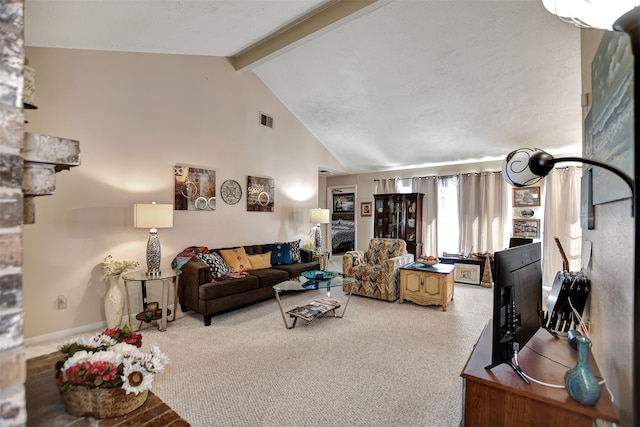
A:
342,227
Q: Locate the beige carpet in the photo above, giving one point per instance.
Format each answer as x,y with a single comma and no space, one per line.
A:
383,364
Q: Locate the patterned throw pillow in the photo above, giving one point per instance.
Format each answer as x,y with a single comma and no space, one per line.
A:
295,250
280,253
236,258
216,264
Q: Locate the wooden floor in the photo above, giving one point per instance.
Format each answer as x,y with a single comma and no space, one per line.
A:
45,408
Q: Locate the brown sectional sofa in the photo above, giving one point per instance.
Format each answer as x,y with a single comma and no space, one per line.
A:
199,293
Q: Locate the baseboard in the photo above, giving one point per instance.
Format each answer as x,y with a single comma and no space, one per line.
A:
61,335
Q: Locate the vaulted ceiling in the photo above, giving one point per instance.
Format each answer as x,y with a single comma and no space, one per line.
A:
382,84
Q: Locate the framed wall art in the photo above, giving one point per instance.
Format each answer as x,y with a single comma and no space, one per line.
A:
195,188
365,209
526,228
260,194
343,202
467,273
526,196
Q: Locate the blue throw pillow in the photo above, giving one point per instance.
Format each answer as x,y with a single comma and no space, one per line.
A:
295,250
280,253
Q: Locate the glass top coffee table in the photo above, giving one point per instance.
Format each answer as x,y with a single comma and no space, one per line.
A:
318,307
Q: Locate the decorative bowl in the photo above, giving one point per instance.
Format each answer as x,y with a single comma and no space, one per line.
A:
427,262
319,274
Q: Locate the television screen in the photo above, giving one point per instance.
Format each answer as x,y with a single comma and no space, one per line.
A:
517,301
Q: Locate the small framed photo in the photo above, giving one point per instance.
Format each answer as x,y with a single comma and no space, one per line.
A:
365,209
526,228
526,196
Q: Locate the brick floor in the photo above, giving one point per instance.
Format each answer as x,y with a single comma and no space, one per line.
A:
45,408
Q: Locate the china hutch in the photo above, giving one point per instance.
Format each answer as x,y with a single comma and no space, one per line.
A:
399,216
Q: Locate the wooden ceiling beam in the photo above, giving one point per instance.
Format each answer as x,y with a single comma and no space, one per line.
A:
310,26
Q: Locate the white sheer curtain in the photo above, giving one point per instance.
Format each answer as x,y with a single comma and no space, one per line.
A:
386,186
562,220
428,186
481,206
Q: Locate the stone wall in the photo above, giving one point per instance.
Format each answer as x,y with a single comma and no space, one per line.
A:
12,356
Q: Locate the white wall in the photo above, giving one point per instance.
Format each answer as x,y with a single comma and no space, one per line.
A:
611,273
136,116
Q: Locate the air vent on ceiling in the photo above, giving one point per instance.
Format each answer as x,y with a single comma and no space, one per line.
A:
266,120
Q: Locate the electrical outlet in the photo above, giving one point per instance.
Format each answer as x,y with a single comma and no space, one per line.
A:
62,302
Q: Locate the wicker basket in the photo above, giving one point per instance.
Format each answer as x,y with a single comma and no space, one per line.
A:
101,402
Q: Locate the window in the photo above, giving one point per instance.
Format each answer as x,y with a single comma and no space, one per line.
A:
448,220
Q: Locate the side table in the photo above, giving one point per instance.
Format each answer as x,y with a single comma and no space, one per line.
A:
321,257
143,277
427,285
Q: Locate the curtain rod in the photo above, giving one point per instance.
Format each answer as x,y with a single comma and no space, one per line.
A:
433,176
463,174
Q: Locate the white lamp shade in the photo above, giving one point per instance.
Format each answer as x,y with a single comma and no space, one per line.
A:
152,215
319,216
516,169
594,13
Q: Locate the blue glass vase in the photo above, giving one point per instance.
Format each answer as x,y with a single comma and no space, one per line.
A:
581,384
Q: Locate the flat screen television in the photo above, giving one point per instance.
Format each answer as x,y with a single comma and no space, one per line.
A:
517,302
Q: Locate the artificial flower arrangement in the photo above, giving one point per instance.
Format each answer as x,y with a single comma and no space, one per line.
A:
114,268
109,359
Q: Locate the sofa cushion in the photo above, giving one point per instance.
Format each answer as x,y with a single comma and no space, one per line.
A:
295,250
216,264
270,276
260,260
280,253
236,258
227,287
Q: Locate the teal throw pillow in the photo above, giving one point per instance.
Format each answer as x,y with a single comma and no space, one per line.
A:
280,253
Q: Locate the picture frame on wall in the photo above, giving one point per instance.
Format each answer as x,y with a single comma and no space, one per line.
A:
194,188
526,228
365,208
526,196
260,194
343,203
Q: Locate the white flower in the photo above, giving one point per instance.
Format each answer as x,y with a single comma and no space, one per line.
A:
101,340
127,350
81,341
158,360
135,378
78,358
112,267
106,356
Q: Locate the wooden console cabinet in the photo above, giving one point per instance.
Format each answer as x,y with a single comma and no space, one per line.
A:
427,285
498,397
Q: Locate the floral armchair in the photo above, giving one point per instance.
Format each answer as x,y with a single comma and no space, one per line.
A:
376,271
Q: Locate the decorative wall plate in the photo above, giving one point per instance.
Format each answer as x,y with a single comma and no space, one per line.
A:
231,192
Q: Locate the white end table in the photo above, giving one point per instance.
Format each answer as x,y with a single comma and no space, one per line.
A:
143,277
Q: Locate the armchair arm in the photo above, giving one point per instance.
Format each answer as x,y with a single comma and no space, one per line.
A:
350,260
394,264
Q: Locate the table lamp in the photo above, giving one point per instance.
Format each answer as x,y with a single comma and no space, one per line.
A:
319,217
153,216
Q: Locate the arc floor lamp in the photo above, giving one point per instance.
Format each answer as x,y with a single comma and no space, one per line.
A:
618,15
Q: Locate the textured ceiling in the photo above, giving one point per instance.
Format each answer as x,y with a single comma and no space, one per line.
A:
409,83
